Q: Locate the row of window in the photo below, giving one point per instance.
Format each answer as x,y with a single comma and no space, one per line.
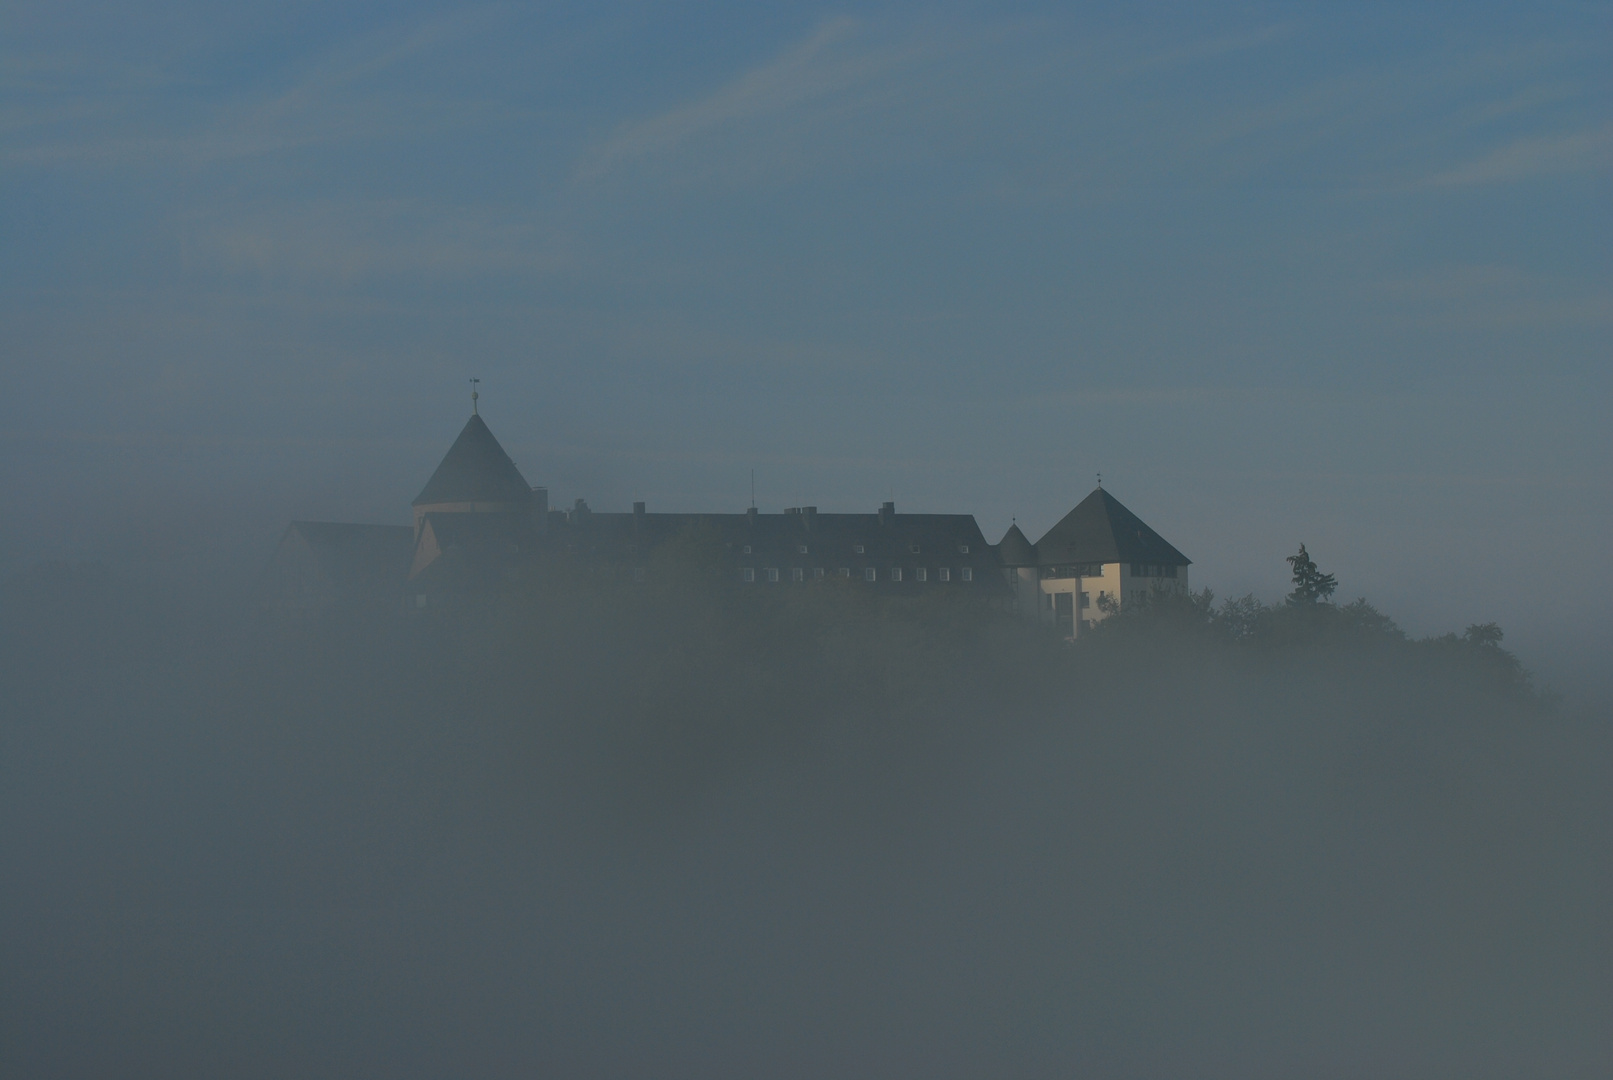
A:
860,549
1084,570
869,573
1075,570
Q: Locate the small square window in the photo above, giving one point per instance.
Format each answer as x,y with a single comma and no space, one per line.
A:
797,574
800,549
845,571
817,574
914,548
945,573
921,574
749,573
747,549
966,574
858,548
772,575
896,573
869,573
963,549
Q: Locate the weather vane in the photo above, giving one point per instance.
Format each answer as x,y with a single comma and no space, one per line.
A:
474,396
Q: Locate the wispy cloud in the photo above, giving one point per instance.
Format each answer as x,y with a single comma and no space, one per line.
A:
833,61
1381,126
1489,295
1579,151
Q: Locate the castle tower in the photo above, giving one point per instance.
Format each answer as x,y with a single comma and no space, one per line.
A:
476,476
1018,556
1101,556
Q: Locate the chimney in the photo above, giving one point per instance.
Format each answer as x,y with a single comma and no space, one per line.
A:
809,516
887,511
750,515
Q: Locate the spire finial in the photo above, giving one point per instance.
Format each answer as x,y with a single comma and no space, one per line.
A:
1100,479
474,397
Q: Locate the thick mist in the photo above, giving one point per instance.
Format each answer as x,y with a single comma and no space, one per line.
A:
598,829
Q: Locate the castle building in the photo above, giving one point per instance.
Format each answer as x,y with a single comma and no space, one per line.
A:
477,521
1095,560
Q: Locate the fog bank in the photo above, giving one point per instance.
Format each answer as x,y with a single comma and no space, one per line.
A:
593,831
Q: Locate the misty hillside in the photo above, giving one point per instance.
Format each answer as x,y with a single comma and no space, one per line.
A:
597,829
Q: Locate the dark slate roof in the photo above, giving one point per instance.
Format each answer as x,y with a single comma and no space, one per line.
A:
475,469
1101,530
831,540
1014,550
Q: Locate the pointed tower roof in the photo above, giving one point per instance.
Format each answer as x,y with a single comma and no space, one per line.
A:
475,469
1014,550
1101,530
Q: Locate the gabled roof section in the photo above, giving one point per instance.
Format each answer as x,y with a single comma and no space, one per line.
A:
1101,530
475,469
1015,550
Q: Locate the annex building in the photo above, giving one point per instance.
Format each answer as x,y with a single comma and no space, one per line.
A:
477,521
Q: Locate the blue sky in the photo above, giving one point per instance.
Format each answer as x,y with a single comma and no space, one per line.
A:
1333,273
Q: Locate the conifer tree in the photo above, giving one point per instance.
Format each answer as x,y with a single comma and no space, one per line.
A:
1311,586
